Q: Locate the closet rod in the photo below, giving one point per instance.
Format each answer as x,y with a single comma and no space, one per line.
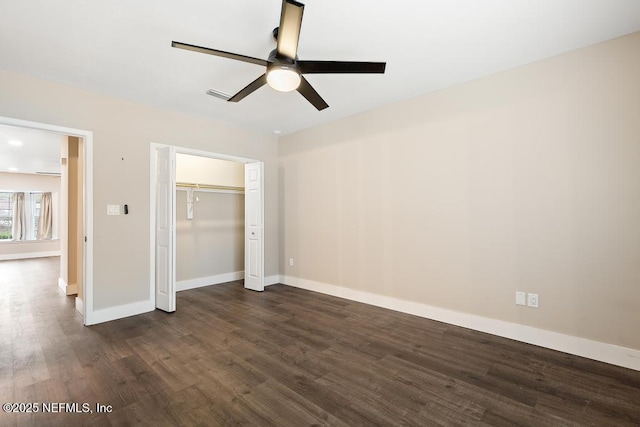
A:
210,187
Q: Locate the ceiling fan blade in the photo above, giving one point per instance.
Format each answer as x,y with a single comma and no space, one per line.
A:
312,96
289,30
221,53
337,67
250,88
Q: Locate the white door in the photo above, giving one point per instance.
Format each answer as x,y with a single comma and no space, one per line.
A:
254,227
165,228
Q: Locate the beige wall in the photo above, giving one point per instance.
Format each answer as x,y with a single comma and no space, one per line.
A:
79,225
27,249
64,209
211,243
75,214
525,180
72,211
204,170
122,132
29,182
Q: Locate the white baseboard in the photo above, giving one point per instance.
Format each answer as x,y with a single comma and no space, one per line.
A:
120,311
62,285
272,280
28,255
603,352
66,288
183,285
80,306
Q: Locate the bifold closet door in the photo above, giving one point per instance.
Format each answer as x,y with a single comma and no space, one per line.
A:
165,229
254,227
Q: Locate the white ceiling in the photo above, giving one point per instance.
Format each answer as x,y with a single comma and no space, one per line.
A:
122,48
31,151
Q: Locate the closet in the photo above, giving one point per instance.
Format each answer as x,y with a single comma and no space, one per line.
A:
209,221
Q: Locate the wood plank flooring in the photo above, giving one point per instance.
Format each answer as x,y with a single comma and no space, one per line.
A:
284,357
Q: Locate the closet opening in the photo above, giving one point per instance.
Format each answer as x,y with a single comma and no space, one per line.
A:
207,224
209,221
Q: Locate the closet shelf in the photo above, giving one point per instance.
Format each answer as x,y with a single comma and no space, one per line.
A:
208,187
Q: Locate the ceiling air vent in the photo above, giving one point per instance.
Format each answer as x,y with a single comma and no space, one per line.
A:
218,94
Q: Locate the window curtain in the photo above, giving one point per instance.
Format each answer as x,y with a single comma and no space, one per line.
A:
19,229
46,217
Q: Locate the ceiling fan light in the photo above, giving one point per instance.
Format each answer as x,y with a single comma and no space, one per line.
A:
283,79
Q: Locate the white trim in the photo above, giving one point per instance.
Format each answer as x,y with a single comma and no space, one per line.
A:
66,288
30,241
183,285
62,285
122,311
27,255
152,222
272,280
87,283
87,137
200,282
210,190
211,155
79,305
608,353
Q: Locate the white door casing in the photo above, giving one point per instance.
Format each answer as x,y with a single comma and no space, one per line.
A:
254,227
85,306
165,229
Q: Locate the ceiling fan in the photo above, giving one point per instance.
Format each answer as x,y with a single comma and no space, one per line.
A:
284,71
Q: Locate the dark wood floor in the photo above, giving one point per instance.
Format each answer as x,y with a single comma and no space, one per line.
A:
285,357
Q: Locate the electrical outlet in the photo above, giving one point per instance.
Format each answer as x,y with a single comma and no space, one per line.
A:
532,300
521,298
290,262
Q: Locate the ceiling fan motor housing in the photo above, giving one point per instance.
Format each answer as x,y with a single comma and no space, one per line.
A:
282,72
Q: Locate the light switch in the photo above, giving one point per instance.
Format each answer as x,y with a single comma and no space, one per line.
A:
113,209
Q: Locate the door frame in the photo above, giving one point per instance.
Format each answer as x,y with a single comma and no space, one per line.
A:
86,305
152,208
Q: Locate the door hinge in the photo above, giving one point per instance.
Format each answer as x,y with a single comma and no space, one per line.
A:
85,239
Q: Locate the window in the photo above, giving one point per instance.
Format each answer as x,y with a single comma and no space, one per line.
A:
36,199
6,215
32,208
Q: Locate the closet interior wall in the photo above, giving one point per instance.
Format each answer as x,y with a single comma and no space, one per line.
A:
210,240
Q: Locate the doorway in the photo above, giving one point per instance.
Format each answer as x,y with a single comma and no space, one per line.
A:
83,214
163,221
